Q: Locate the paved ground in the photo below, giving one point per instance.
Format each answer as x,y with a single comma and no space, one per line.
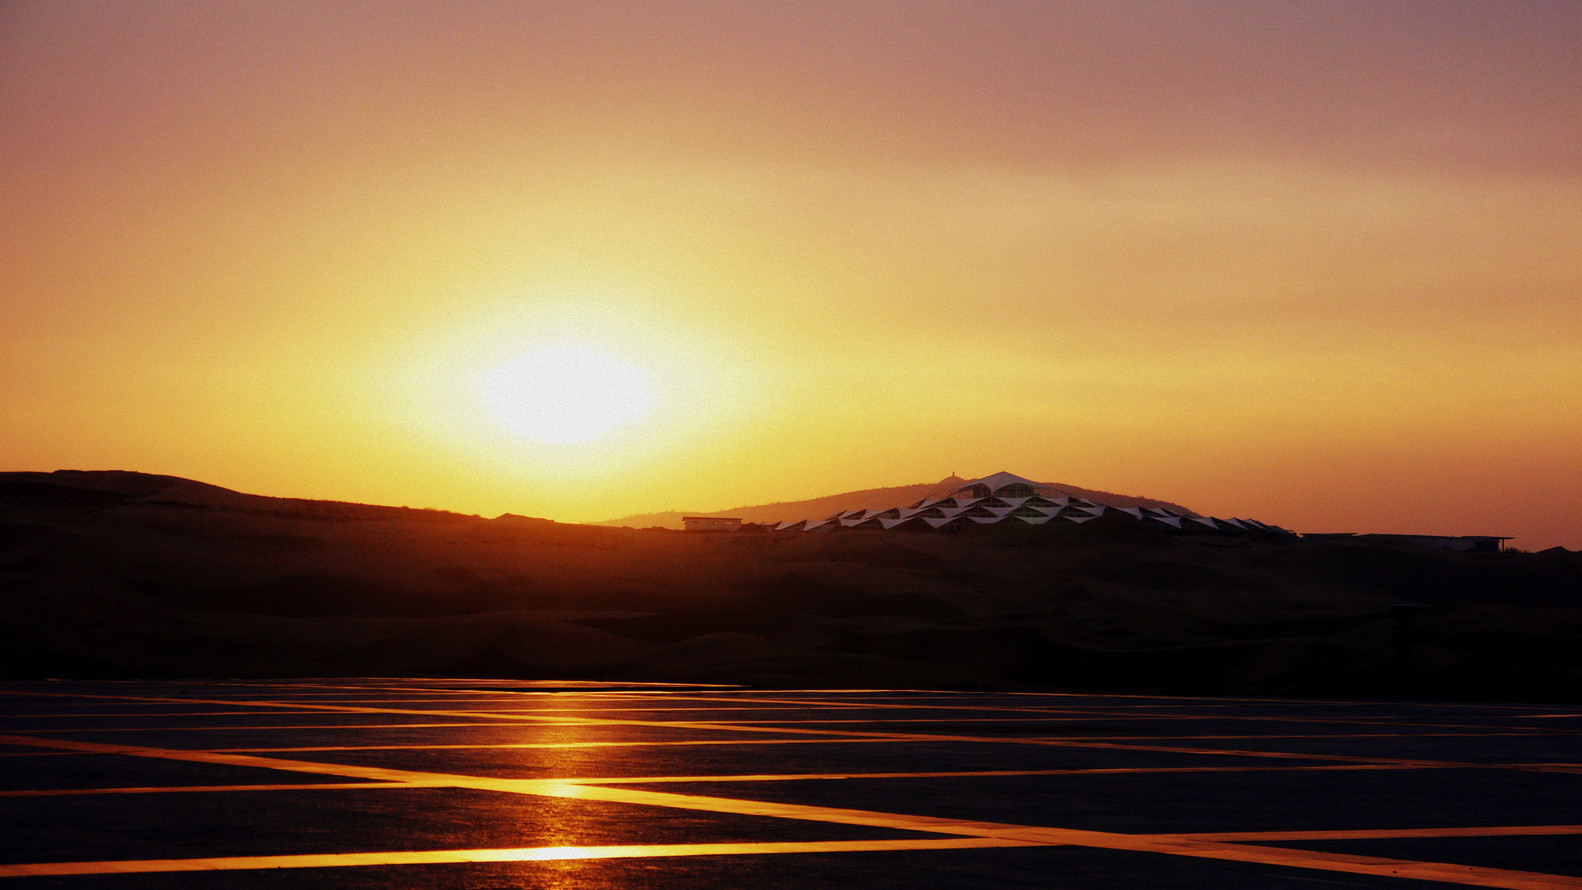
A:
486,784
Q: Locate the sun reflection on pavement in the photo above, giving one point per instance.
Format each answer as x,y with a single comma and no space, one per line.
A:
560,781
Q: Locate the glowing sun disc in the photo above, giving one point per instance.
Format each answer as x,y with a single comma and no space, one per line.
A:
566,394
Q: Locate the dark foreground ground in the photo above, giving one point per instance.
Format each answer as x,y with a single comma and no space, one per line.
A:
422,783
121,575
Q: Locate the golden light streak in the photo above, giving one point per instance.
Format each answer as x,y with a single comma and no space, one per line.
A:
516,854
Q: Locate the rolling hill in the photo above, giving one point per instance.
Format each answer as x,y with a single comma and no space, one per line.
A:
129,575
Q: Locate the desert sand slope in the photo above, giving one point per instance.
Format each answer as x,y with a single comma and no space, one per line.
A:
123,575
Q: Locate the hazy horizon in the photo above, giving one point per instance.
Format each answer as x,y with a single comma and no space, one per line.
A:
1311,263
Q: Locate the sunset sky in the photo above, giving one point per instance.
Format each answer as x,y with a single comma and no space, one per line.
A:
1314,263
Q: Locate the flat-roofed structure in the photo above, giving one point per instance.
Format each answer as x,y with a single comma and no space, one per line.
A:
1458,543
711,523
1462,543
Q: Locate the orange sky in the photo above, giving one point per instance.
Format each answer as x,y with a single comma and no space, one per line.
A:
1314,263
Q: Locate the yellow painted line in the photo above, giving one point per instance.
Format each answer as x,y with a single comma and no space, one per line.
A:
1470,875
848,736
704,779
1139,706
1569,768
1175,845
376,774
944,718
1258,736
370,773
812,736
904,704
1366,865
595,721
1388,833
504,716
656,743
519,854
122,715
922,724
1241,752
1167,844
789,727
200,789
969,774
570,703
529,714
1147,712
271,727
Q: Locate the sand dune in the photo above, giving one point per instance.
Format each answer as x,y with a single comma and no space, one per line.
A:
130,575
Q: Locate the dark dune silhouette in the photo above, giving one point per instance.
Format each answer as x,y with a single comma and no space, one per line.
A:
129,575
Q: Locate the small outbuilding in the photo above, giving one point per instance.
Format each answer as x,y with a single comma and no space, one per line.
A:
712,523
1462,543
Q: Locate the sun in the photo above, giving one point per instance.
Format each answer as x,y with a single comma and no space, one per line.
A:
566,394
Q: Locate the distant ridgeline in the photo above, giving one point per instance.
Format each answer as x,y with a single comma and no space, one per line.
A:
99,489
1000,498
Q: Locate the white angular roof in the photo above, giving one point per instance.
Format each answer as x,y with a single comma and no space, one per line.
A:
1037,505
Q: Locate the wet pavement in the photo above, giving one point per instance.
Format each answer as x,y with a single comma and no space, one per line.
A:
456,783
